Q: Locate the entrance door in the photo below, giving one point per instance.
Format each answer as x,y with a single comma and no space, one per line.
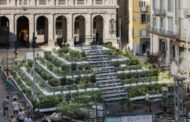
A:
23,32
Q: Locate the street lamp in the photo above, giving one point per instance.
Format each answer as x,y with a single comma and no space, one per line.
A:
7,38
34,65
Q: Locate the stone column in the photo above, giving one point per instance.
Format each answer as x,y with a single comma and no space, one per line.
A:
70,30
12,32
51,42
31,27
176,52
168,52
88,27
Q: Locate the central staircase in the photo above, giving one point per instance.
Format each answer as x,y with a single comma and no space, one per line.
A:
106,75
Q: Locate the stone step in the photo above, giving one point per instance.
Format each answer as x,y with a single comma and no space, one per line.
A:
114,91
104,71
100,62
108,81
115,98
107,74
105,68
92,56
112,87
106,77
98,59
115,95
110,84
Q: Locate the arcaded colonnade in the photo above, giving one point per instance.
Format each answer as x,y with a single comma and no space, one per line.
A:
71,24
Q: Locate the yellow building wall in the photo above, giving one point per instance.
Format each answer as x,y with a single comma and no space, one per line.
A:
137,25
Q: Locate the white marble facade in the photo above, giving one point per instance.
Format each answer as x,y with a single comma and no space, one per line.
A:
69,11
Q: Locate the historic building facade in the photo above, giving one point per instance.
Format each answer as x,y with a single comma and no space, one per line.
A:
139,26
170,29
70,21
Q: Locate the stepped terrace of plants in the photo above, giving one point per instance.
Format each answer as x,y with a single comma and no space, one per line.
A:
64,75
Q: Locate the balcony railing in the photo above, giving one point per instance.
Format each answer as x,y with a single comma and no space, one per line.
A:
144,8
163,32
159,12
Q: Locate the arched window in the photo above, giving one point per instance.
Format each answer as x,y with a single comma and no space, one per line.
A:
3,2
42,2
62,2
22,2
99,2
112,26
80,2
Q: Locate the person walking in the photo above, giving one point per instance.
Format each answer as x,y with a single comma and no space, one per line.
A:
15,107
13,119
148,104
21,115
44,119
5,105
28,118
164,101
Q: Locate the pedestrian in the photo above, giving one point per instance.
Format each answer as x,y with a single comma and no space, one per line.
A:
28,118
21,115
164,101
148,104
44,119
13,119
6,106
15,107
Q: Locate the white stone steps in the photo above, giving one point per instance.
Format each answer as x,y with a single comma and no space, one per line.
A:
110,84
115,94
113,91
112,87
118,98
108,80
107,74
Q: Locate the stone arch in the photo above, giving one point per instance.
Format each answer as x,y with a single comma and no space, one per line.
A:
61,29
22,31
4,31
79,29
98,28
42,29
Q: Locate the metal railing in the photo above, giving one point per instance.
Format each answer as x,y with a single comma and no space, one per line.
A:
163,32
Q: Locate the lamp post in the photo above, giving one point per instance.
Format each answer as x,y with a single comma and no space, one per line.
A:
34,65
7,38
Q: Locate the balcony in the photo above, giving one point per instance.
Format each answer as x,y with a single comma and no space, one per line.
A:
144,9
163,32
154,30
159,12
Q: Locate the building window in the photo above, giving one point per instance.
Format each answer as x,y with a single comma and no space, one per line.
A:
62,2
3,2
170,24
80,2
170,5
99,2
154,22
154,4
42,2
143,33
144,18
162,24
22,2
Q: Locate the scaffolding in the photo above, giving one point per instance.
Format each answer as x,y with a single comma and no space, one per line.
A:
179,98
